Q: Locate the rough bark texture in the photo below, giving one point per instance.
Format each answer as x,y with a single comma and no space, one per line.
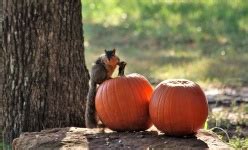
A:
1,62
1,19
82,138
45,77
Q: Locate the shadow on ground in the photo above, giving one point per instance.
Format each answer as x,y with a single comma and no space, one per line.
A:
142,140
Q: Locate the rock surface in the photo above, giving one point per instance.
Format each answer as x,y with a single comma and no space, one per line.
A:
81,138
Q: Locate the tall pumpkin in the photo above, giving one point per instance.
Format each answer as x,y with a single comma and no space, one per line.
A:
122,103
178,107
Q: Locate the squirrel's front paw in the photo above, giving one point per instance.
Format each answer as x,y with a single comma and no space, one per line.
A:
122,63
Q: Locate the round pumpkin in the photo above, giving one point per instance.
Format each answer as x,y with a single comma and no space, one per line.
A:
122,103
178,107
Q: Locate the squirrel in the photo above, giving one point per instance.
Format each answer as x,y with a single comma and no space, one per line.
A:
102,70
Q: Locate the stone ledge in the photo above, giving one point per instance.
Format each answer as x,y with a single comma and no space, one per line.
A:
82,138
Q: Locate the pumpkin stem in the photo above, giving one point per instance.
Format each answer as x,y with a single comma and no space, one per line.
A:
122,66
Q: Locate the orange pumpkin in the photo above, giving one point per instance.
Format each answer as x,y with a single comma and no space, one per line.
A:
122,103
178,107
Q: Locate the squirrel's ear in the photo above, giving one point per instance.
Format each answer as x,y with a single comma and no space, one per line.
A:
105,51
114,50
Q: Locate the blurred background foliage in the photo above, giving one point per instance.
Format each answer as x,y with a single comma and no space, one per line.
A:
205,41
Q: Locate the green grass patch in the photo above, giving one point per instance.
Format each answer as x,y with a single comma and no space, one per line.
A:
4,146
205,41
1,140
230,123
239,143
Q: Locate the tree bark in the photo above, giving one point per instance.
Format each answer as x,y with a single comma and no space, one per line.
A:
1,63
1,18
45,77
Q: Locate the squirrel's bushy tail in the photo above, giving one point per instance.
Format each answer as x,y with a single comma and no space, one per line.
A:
90,112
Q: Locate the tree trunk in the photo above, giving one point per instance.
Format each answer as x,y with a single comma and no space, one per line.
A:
1,18
1,63
45,77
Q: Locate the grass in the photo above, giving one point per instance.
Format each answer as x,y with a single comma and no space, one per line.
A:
1,141
241,143
229,117
232,121
4,146
203,41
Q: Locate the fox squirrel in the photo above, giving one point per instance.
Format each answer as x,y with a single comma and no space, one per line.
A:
102,70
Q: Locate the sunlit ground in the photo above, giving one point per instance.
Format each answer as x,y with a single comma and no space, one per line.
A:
165,64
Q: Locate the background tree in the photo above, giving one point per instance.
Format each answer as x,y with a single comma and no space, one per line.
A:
45,77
